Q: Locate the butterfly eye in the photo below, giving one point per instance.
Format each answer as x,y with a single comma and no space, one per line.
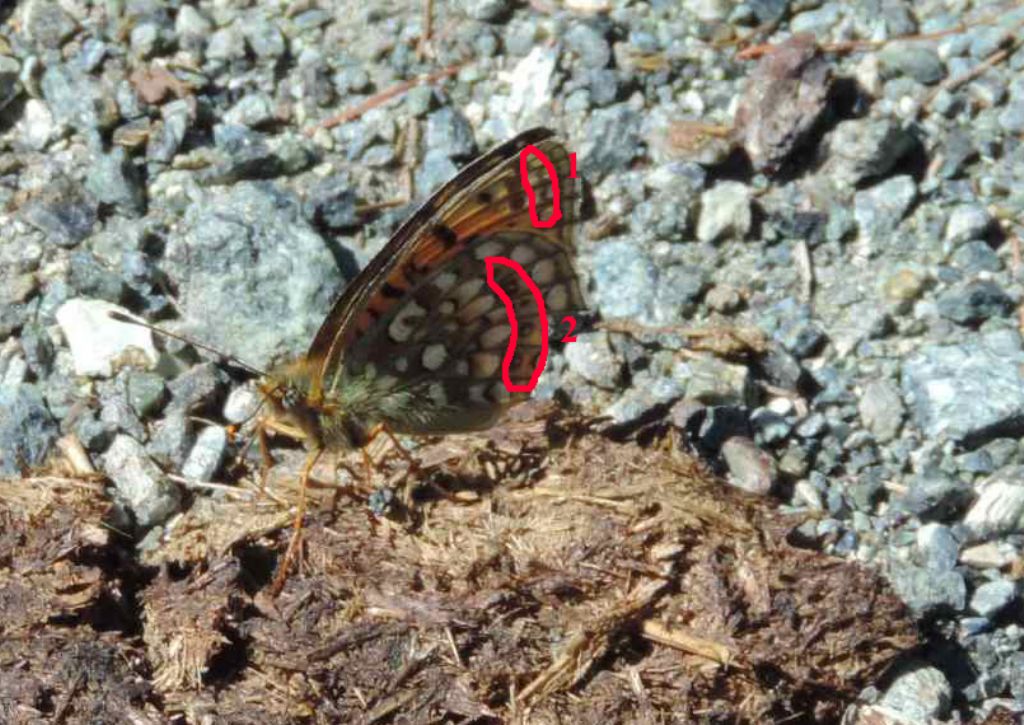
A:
289,398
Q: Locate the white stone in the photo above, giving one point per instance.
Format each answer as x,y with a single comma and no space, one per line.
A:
241,404
531,82
724,212
999,508
101,345
921,693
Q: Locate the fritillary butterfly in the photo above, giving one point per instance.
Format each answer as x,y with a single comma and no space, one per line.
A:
416,342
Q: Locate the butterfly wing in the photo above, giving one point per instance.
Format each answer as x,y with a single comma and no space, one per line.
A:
418,339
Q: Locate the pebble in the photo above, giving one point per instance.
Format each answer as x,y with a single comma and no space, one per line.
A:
725,212
974,302
27,429
967,222
592,356
750,468
241,404
999,508
101,345
879,209
142,487
862,149
881,409
937,546
927,591
714,382
991,598
206,455
920,693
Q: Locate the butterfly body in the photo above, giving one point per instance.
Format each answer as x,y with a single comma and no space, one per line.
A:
418,342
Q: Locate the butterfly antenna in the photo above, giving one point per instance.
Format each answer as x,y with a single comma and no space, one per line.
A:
132,320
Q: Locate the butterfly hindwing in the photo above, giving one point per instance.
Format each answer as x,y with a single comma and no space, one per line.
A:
419,339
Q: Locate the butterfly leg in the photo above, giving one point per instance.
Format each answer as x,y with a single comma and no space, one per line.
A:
296,541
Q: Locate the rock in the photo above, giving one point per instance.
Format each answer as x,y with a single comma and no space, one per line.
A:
937,547
171,438
647,392
206,455
252,110
435,169
27,429
264,38
611,142
113,180
37,126
967,222
933,493
241,404
200,387
861,149
101,345
190,23
880,209
976,257
927,590
226,44
449,131
750,468
714,382
967,390
332,203
63,213
46,24
591,356
881,409
921,693
999,508
974,302
488,11
904,285
724,212
531,82
989,555
991,598
274,303
911,59
589,44
625,280
146,392
723,298
139,483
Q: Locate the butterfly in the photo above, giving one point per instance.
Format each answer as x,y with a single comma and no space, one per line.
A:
415,344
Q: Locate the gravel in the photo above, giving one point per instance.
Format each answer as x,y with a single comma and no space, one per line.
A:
814,254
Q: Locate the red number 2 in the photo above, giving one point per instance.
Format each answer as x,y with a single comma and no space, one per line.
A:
569,337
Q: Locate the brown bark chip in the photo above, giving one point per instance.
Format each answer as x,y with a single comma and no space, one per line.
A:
540,573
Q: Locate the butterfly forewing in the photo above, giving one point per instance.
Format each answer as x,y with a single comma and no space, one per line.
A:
418,339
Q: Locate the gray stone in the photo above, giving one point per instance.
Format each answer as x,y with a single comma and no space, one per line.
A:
449,131
591,356
612,140
861,149
974,302
991,598
146,392
247,253
646,392
589,43
487,10
113,180
252,110
915,60
27,430
226,44
139,483
933,493
200,386
750,468
625,279
937,546
10,84
714,382
332,203
976,257
1011,118
921,693
206,455
999,508
879,209
63,213
46,24
436,168
966,222
191,23
927,590
724,212
965,390
264,38
881,409
171,438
